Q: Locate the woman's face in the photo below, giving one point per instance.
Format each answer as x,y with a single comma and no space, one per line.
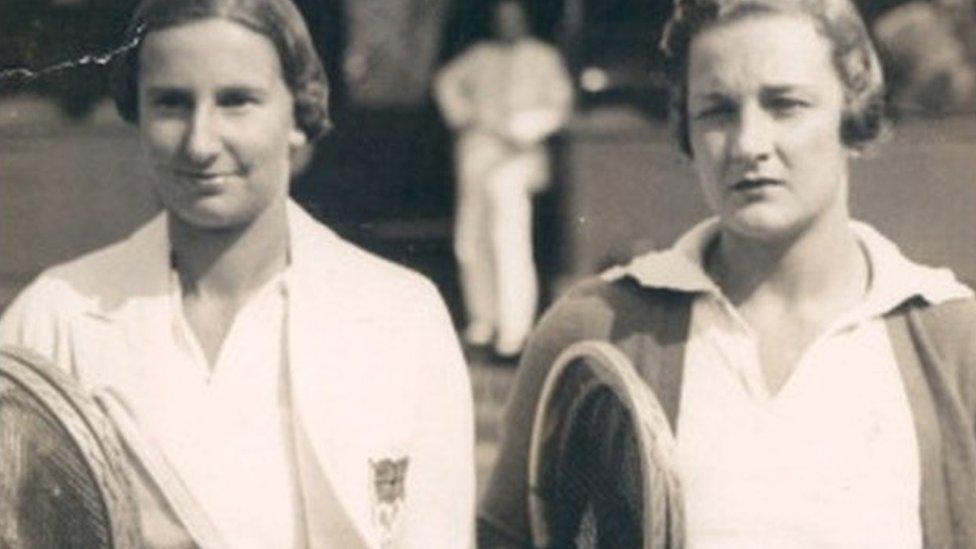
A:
764,114
216,120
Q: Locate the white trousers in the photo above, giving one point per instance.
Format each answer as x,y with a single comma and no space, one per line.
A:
493,235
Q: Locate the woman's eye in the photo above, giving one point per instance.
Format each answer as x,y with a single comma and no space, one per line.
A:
713,111
786,105
237,99
170,101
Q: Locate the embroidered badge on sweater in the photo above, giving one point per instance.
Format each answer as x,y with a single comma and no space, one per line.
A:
389,494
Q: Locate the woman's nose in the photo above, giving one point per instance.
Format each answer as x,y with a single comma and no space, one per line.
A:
202,140
752,140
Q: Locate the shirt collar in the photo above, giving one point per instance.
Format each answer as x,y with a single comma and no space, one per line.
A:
679,268
894,278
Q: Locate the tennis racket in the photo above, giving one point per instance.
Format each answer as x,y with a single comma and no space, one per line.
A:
600,459
62,478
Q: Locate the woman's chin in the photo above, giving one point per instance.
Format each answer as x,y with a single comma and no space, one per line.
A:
207,217
762,223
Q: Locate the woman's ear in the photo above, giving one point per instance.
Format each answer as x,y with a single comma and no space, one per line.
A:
297,138
299,155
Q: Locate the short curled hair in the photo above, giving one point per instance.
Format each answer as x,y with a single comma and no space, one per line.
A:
277,20
853,55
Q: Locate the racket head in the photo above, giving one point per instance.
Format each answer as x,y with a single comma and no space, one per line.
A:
62,473
600,471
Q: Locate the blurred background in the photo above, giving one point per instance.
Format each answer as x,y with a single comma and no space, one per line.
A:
72,179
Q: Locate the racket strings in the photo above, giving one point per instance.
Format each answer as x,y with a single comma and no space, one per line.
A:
601,465
594,495
61,467
54,499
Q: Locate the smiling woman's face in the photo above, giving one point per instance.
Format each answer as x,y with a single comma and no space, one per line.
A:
764,111
216,120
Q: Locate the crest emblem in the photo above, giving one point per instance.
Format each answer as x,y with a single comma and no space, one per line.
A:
389,494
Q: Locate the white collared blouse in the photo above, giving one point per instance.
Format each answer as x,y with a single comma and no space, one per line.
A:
831,460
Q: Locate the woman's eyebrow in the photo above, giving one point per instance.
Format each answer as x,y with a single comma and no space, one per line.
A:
168,93
167,90
243,88
779,89
177,91
710,97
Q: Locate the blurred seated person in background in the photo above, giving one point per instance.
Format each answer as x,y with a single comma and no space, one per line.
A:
503,97
301,392
822,386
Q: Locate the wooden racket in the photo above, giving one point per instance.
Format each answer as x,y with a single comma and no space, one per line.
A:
62,478
600,460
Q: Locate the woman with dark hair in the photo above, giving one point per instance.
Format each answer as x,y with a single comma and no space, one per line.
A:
821,386
274,385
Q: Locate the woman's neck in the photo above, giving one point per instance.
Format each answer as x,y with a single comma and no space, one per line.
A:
230,263
822,262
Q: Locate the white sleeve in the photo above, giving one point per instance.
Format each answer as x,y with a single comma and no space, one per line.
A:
34,322
534,125
452,91
442,476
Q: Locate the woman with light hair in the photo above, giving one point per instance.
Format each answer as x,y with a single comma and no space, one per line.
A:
274,385
820,386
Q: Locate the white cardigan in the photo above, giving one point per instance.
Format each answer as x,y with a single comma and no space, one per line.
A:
375,368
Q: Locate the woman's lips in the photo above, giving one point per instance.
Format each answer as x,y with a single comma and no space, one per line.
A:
754,183
203,182
202,176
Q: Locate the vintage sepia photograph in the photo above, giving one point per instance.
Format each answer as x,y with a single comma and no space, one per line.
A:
391,274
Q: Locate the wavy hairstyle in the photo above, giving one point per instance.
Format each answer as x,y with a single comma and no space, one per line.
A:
277,20
854,58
